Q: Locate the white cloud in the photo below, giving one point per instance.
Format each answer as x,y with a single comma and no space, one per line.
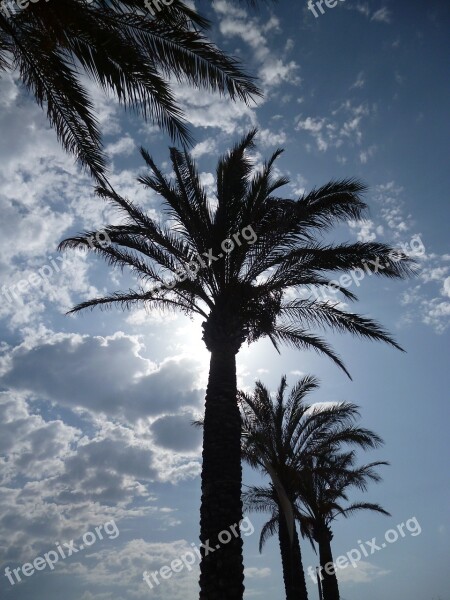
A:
359,82
207,110
446,287
344,127
207,146
436,314
124,145
122,569
382,15
269,138
311,124
365,230
364,572
257,572
428,300
364,155
235,22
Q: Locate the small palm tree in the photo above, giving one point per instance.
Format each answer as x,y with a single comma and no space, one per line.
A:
124,49
323,485
233,263
267,500
279,438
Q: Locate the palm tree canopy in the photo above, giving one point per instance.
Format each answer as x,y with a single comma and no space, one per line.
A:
301,448
323,484
288,433
242,294
126,50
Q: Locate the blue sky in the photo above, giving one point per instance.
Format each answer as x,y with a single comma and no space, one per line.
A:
95,409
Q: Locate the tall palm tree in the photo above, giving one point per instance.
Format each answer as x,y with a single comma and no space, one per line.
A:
279,438
323,485
232,262
126,50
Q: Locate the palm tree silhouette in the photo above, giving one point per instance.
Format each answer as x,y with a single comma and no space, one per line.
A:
240,294
323,483
280,438
126,51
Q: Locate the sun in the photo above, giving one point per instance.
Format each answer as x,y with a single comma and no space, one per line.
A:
188,339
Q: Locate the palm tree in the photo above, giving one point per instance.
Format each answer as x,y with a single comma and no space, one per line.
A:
267,500
279,438
125,49
323,483
232,263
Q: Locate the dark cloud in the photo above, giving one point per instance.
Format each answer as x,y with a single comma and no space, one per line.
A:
104,375
175,432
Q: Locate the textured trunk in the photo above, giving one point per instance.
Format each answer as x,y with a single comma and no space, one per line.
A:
221,567
291,558
330,587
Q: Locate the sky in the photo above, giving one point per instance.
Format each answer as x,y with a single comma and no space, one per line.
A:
96,408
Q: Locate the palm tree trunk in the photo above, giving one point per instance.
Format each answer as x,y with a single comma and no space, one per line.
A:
291,558
221,567
330,587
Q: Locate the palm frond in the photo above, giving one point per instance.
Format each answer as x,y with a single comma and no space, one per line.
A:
128,53
301,339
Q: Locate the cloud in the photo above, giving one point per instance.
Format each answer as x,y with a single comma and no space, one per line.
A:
176,432
436,312
207,146
43,196
257,572
122,570
55,479
396,221
342,128
382,15
360,81
206,110
124,145
429,300
364,155
39,445
364,572
273,70
106,376
366,230
58,480
269,138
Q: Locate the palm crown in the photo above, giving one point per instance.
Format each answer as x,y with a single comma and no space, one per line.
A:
323,485
242,295
126,50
